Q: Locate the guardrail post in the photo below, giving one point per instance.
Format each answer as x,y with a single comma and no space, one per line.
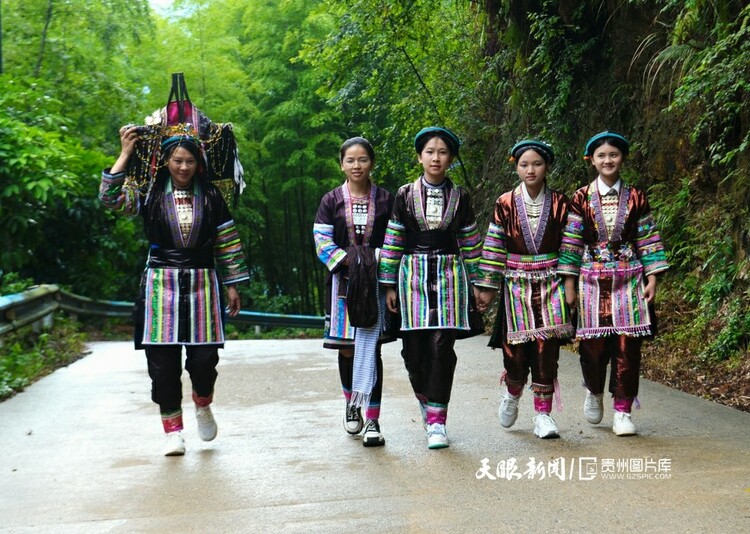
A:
45,323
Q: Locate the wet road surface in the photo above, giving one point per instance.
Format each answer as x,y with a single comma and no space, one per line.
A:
81,452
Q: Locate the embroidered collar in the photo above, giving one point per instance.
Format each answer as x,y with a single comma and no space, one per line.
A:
533,240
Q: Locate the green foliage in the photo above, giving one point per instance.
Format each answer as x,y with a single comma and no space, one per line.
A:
11,283
393,68
233,332
48,185
672,202
717,87
107,328
298,77
734,336
702,68
556,67
80,53
26,356
292,161
35,169
68,86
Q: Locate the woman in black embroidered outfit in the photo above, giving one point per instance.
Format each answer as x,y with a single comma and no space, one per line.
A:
194,247
429,263
349,227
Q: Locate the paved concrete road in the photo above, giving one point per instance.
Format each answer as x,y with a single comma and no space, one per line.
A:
81,453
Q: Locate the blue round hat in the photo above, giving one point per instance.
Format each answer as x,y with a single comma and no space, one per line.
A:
620,142
454,143
545,149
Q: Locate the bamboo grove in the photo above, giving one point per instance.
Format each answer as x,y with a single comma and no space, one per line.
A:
296,77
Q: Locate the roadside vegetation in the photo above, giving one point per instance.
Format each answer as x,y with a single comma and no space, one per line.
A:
299,76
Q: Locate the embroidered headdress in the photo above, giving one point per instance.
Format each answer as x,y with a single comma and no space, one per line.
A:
178,122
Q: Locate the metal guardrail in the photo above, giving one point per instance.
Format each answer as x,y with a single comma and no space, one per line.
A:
37,304
28,307
272,320
101,308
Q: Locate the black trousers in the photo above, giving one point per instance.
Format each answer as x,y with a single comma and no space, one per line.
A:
165,370
431,362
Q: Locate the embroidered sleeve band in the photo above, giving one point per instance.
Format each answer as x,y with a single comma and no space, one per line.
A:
328,252
494,254
650,247
571,249
470,245
117,195
393,250
230,261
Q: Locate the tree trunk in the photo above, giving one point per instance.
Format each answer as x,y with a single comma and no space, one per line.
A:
304,245
1,38
266,252
290,272
43,44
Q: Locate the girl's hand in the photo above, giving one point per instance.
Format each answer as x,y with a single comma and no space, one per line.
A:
649,292
391,299
571,295
128,139
233,301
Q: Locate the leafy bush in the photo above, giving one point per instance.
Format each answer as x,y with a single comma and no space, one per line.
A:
734,337
11,283
27,356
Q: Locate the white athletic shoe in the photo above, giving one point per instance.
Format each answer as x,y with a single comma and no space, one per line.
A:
207,428
593,407
437,438
508,410
622,424
545,427
175,445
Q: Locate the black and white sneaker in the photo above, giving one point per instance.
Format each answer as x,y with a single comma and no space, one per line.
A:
353,420
372,436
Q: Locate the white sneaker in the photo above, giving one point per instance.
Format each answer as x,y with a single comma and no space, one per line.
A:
436,436
622,424
207,428
175,445
353,420
545,427
372,436
593,407
508,410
